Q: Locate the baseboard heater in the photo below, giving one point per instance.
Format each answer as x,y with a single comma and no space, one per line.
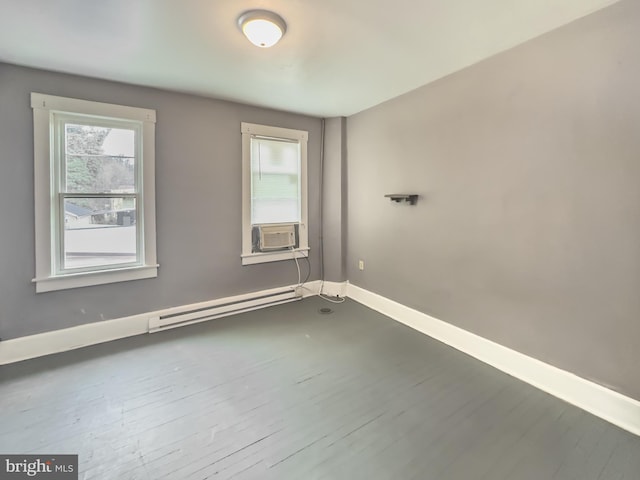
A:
244,303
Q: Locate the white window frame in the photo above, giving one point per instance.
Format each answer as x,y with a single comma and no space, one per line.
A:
49,277
301,137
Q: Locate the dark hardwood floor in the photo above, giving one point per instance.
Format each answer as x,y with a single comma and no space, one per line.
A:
289,393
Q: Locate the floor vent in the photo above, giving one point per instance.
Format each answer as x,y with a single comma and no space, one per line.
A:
174,319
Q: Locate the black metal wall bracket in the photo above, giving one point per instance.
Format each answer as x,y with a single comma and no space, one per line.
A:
411,198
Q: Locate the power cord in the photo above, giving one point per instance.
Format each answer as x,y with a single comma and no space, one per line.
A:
306,257
329,299
297,266
300,281
320,294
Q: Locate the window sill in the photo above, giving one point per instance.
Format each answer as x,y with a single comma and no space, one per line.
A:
86,279
264,257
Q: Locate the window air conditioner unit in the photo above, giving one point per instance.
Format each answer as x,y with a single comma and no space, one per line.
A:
273,237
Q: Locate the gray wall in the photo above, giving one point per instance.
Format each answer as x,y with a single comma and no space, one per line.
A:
198,165
528,229
334,221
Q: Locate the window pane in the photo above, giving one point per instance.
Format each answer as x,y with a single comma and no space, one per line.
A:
275,181
99,232
99,159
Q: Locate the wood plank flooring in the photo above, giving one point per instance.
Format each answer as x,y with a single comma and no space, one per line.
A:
289,393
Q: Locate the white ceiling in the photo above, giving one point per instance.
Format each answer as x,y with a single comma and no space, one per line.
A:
338,57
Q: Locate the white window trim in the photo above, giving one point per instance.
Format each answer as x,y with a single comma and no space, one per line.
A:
253,258
301,136
43,107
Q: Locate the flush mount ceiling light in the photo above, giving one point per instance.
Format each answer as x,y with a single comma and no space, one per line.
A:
263,28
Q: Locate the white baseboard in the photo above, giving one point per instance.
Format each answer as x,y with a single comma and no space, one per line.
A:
330,289
605,403
56,341
333,289
596,399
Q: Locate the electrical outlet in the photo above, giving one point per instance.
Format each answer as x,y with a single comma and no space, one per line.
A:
361,264
298,291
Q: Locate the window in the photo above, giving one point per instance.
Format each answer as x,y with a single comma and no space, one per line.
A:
94,193
274,193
